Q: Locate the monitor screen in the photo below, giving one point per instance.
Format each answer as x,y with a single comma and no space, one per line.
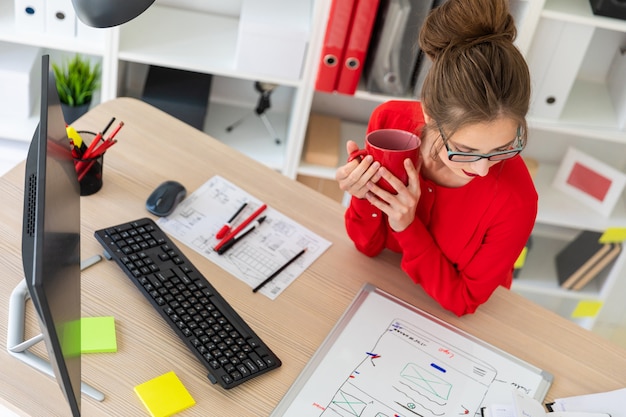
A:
51,240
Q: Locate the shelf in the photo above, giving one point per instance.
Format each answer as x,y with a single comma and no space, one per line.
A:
21,130
558,208
539,272
9,33
349,131
579,11
251,136
188,40
563,307
588,112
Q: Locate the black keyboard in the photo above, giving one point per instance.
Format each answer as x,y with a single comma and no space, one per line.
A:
199,315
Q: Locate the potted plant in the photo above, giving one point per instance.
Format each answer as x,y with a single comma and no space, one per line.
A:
76,80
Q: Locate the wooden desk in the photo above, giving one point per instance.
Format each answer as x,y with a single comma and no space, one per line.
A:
154,147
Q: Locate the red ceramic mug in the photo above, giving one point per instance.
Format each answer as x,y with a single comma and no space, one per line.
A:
390,147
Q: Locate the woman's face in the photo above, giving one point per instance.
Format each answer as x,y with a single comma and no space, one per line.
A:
480,138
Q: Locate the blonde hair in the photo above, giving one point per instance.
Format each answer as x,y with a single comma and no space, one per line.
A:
477,73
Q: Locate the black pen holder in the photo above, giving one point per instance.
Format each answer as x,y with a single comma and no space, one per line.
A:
89,170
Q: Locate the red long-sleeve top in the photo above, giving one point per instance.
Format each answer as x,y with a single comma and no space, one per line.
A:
464,241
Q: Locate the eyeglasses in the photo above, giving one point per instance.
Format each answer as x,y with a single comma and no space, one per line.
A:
455,156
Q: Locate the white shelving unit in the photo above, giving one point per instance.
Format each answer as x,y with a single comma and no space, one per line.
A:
588,122
201,41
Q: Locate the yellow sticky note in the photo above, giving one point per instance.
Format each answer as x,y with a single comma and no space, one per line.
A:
613,235
586,308
521,259
97,334
164,395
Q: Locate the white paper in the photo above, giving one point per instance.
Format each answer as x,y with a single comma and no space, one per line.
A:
257,256
611,402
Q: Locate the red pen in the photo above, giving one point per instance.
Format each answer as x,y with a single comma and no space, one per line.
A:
238,229
226,228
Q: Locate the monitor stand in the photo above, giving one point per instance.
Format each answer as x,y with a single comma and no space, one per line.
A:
18,347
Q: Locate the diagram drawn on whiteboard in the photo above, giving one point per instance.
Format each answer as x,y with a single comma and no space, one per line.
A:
410,372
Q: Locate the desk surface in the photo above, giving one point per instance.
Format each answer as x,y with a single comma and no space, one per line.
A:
154,147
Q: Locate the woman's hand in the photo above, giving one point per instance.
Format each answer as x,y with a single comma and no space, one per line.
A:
354,176
400,208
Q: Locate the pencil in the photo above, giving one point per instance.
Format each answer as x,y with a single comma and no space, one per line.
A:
279,270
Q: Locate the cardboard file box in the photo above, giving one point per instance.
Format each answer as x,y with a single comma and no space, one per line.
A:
20,72
322,141
330,188
273,37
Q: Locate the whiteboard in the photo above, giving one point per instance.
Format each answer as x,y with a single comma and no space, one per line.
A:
386,358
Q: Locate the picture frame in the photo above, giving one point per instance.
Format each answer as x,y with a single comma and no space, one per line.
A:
590,181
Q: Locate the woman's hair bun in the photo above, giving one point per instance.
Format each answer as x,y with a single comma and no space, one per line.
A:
458,23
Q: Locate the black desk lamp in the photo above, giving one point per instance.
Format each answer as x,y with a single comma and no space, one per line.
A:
108,13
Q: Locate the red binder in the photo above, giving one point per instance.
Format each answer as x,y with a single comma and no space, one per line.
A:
356,48
337,29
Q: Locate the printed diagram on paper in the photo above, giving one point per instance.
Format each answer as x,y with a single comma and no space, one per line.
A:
200,216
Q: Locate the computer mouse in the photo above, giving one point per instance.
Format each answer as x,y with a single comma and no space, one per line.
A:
165,198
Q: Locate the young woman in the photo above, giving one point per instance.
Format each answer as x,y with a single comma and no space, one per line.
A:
470,204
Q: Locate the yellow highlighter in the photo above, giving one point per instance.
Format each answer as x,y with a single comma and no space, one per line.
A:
76,139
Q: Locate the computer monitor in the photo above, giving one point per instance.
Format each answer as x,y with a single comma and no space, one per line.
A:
51,240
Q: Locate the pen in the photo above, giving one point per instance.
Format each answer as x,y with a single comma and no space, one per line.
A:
226,228
279,270
240,236
108,125
240,227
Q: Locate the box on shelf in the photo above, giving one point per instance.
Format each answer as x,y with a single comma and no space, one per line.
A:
60,18
273,37
554,59
329,188
616,83
30,15
322,141
20,71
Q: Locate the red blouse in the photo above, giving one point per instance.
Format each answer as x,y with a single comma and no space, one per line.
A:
464,241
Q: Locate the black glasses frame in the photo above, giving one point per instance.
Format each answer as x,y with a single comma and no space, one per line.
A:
456,156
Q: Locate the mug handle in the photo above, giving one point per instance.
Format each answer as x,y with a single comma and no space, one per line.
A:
360,153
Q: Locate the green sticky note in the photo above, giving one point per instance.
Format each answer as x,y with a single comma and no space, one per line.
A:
587,308
97,334
613,235
164,395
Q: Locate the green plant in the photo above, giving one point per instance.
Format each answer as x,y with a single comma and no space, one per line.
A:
76,80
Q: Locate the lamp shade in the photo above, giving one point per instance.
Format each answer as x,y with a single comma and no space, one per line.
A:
108,13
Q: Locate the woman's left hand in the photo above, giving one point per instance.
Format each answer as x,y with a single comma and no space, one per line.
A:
399,208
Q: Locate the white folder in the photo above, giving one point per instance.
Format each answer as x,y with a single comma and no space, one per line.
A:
60,18
554,58
616,84
30,15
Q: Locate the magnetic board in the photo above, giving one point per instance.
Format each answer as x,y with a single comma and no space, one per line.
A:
386,358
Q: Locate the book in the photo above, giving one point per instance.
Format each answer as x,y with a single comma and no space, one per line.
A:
579,256
602,265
